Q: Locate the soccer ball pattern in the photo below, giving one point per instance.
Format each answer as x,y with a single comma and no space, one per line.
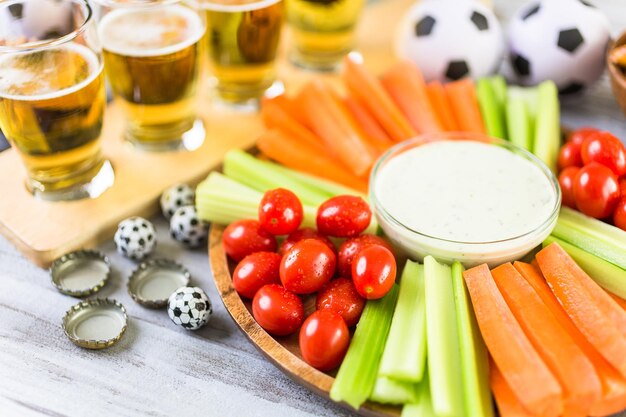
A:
135,238
187,228
451,39
559,40
176,196
189,307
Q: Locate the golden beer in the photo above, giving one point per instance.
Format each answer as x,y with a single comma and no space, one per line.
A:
322,31
152,59
242,40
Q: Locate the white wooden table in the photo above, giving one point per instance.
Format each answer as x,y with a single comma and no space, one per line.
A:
159,369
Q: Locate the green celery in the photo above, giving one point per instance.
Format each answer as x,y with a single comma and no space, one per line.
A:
474,359
219,180
404,356
444,357
529,96
391,391
490,108
547,127
498,84
424,405
357,375
598,229
605,274
518,122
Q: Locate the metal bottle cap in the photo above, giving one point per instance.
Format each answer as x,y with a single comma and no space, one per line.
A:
95,324
154,281
80,273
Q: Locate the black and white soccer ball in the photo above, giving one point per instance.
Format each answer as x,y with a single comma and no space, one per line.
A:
135,238
188,228
451,39
175,197
560,40
189,307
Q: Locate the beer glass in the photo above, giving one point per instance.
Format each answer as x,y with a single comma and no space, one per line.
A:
52,96
152,55
322,31
243,37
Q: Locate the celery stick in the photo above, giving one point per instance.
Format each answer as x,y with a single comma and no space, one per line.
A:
474,359
357,375
218,180
528,96
405,352
391,391
498,84
424,405
547,127
328,187
518,122
489,108
444,357
605,274
593,227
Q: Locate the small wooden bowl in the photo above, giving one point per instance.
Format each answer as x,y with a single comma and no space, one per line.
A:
617,75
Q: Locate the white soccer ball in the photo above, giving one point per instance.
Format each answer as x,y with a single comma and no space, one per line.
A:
189,307
560,40
451,39
135,238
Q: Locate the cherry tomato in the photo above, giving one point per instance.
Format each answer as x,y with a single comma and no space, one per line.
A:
301,234
374,272
343,216
569,156
350,247
578,136
340,296
622,186
566,181
596,190
324,340
244,237
619,215
277,310
255,271
606,149
280,211
307,266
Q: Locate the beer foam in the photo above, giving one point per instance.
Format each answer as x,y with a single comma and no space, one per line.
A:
233,6
12,76
150,32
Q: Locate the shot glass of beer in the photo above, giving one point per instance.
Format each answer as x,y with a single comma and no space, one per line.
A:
52,96
153,54
323,31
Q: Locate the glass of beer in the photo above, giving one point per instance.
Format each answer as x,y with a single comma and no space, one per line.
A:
243,37
52,96
322,31
152,55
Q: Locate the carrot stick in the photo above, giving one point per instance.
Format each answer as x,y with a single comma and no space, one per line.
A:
619,300
288,106
275,116
405,84
508,404
297,154
441,105
592,320
462,97
372,94
368,123
521,366
575,372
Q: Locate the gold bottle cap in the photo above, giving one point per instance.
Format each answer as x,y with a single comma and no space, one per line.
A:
80,273
154,281
95,324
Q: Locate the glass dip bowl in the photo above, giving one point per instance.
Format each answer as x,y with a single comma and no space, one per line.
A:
416,242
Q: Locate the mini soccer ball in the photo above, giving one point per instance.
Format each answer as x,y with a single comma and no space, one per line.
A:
451,39
187,228
559,40
135,238
176,196
189,307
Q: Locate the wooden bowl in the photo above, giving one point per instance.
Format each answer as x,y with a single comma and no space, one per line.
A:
283,352
617,75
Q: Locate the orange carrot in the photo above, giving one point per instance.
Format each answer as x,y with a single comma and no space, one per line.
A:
462,98
369,90
275,116
405,84
508,404
620,301
521,366
578,378
368,123
288,106
441,105
582,307
294,153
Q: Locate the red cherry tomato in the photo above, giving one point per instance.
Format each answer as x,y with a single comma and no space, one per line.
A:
340,296
566,181
307,266
596,190
619,215
280,211
622,186
301,234
350,247
343,216
606,149
579,135
324,340
569,156
277,310
255,271
374,272
244,237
